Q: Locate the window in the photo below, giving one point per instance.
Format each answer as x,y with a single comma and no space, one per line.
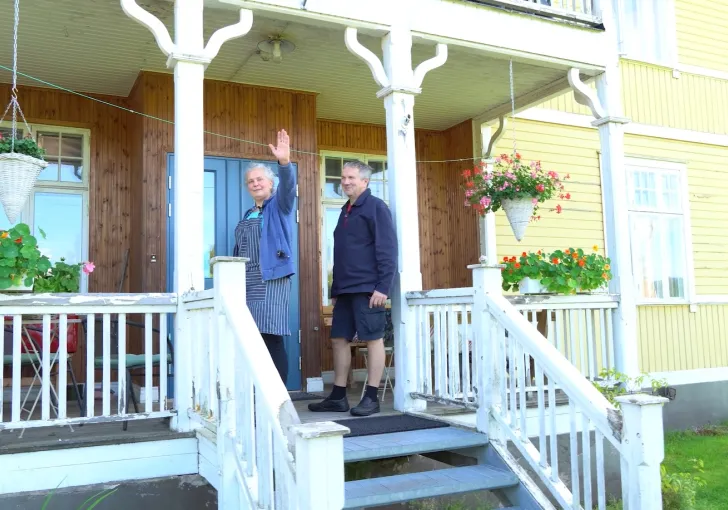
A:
659,229
648,31
59,202
334,198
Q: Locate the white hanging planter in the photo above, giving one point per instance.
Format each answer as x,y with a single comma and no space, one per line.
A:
518,212
18,174
20,288
531,286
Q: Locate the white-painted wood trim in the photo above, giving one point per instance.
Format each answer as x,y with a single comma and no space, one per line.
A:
584,121
74,467
711,300
702,71
697,376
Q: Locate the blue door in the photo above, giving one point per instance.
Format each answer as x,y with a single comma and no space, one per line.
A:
225,200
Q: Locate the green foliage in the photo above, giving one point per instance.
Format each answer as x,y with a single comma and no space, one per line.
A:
61,278
679,490
511,179
89,504
20,259
25,146
561,272
612,383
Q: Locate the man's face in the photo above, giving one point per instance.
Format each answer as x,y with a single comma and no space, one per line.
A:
352,182
259,186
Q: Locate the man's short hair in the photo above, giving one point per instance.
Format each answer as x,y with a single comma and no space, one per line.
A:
365,171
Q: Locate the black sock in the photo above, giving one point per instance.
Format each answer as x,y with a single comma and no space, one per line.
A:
371,392
338,392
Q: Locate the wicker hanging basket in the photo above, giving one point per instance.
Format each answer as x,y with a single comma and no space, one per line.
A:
18,174
518,212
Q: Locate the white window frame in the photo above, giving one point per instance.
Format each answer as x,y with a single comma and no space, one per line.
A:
663,27
60,187
338,202
660,167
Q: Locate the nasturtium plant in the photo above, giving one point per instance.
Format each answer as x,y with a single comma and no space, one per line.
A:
21,262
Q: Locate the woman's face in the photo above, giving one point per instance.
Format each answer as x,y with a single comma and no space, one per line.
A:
259,186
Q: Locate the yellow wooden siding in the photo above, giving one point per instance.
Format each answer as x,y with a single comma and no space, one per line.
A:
702,33
651,95
708,192
673,338
566,150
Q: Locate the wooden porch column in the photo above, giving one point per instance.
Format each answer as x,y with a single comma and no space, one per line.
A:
606,107
189,57
400,84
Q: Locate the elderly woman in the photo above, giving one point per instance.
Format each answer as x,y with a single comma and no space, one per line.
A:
263,236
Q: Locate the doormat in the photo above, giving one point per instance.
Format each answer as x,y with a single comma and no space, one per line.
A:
388,424
297,396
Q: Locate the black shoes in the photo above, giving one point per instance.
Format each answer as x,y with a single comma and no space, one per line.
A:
330,406
366,407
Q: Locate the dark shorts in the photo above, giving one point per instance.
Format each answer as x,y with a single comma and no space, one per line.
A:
352,315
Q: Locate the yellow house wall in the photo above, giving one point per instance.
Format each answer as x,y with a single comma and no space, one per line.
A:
702,33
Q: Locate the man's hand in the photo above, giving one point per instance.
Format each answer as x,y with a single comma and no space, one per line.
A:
333,301
282,151
377,299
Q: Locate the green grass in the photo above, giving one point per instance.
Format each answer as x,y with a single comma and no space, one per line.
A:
709,444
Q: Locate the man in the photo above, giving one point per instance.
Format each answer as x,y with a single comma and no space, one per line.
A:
365,261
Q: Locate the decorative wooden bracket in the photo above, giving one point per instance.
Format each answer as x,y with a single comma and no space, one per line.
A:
584,95
495,137
371,60
377,69
164,41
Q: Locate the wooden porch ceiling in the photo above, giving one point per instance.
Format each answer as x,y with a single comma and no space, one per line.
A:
93,47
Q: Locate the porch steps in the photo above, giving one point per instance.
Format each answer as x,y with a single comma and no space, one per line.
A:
401,444
443,482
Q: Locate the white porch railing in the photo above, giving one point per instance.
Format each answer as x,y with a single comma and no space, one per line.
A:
579,327
584,11
265,455
511,360
41,336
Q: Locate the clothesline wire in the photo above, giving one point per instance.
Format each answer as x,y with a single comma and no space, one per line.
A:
167,121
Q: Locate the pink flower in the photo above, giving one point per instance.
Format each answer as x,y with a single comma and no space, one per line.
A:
540,188
469,193
533,175
534,201
485,201
88,267
467,204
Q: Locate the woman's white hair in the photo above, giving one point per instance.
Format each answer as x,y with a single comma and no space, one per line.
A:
266,171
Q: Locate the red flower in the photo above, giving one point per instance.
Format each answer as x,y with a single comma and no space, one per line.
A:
555,260
19,240
581,263
518,156
524,254
540,188
466,173
517,265
505,259
513,259
469,184
568,196
558,209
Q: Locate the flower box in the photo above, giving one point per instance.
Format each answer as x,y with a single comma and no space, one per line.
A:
531,286
19,288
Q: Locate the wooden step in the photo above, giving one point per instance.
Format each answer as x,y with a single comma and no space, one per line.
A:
388,490
400,444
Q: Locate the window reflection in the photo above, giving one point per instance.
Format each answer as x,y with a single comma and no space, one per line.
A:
60,216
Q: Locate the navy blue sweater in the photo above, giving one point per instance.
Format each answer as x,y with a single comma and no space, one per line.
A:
365,247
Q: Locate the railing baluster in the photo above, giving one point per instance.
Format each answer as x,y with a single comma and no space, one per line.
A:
553,437
586,461
542,446
465,352
610,338
443,350
106,386
512,380
46,371
582,344
574,447
429,342
560,341
603,334
90,389
572,339
125,386
62,365
148,362
522,361
163,364
17,331
454,349
590,344
438,390
601,486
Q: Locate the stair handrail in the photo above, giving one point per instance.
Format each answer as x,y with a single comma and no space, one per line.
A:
248,376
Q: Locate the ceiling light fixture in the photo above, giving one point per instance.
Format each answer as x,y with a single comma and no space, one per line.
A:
274,47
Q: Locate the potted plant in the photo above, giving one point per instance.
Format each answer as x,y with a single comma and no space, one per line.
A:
568,271
21,160
514,186
21,262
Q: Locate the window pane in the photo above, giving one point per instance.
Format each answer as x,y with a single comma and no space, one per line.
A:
50,143
72,146
71,171
659,258
670,196
378,167
60,216
377,188
645,194
331,218
7,132
208,222
333,167
333,188
49,173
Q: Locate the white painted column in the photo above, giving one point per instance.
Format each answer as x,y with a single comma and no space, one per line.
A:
399,85
482,134
189,56
615,193
643,444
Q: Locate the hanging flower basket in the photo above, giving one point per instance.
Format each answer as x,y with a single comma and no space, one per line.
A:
18,174
514,186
